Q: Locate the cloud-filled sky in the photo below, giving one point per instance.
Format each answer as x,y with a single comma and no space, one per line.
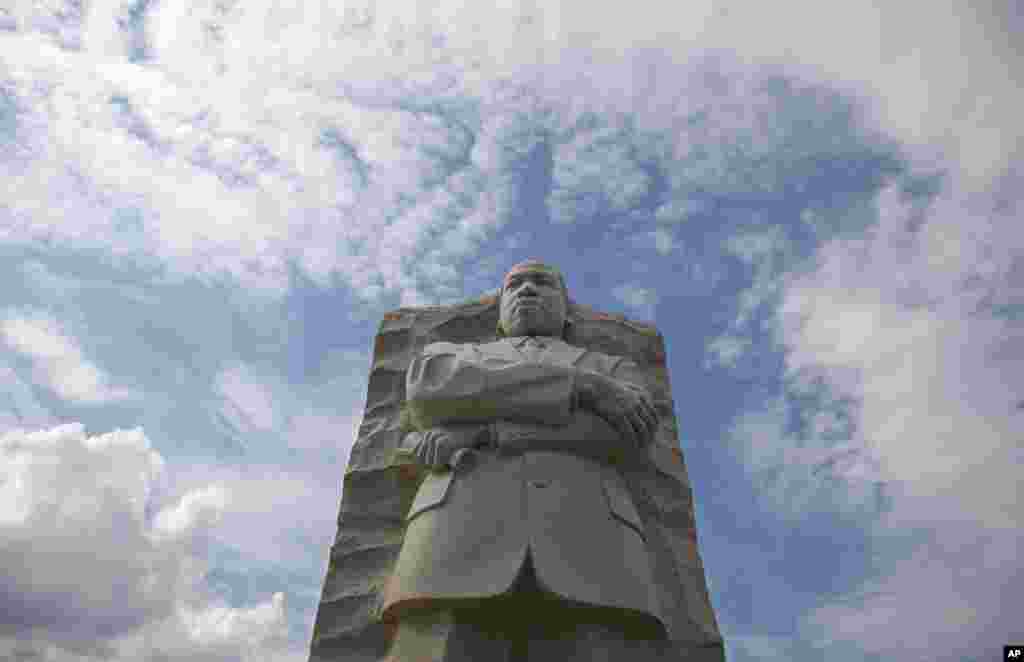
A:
206,207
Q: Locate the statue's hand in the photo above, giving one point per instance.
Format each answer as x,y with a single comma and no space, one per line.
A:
438,448
625,406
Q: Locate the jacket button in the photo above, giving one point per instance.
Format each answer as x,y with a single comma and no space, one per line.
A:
539,483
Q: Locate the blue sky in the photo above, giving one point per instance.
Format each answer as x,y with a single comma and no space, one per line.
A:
206,207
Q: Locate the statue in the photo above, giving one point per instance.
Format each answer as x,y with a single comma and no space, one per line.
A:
525,539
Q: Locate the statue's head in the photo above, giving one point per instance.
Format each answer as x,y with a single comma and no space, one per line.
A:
534,301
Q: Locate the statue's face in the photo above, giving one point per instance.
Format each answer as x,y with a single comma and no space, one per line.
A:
532,304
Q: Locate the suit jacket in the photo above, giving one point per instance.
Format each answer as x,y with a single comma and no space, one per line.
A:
550,490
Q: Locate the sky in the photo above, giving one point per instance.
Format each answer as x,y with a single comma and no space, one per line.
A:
206,206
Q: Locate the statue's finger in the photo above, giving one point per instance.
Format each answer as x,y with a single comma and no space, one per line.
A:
644,409
635,429
648,402
655,415
642,414
652,416
650,422
649,425
646,429
628,426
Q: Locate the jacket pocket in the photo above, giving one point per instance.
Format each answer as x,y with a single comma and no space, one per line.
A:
432,493
620,505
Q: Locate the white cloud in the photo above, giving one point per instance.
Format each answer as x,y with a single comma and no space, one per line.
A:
311,424
58,361
19,406
69,495
274,515
902,324
920,352
219,625
250,402
956,595
760,647
317,430
726,350
598,173
959,100
371,140
88,565
769,254
108,134
636,297
199,508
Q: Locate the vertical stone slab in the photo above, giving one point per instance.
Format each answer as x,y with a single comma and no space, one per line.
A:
379,485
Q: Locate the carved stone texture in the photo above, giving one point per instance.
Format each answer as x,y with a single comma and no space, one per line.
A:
380,484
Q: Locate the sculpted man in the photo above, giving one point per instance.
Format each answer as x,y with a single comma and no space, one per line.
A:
523,542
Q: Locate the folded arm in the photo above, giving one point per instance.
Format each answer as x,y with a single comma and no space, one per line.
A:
452,383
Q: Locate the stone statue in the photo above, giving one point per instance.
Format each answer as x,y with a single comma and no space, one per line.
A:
523,540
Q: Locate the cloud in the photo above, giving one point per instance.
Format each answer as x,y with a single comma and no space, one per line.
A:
759,647
273,512
64,491
767,255
287,168
94,564
922,351
59,362
805,459
257,409
905,323
249,401
596,173
640,298
726,350
955,594
382,145
199,508
925,92
314,429
19,406
271,538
